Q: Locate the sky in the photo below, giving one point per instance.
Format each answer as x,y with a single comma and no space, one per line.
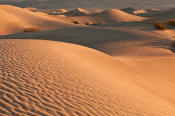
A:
51,4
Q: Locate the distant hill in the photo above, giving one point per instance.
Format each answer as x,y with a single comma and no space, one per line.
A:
52,4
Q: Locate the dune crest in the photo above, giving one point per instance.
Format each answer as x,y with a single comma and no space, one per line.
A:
76,12
53,78
16,19
85,63
115,15
20,18
97,17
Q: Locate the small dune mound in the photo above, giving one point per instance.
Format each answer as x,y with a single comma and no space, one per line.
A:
141,11
115,15
76,12
59,10
165,15
81,12
153,10
129,10
132,10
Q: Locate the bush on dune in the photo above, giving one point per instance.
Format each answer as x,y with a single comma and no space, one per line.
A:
94,24
171,22
75,22
31,29
87,23
159,25
173,44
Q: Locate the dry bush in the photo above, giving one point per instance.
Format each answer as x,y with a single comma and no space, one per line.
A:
76,22
171,22
31,29
94,24
173,44
159,25
87,23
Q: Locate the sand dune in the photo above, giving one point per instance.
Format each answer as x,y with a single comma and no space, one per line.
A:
113,41
19,19
122,67
76,12
167,14
159,14
115,15
14,19
141,12
50,78
101,17
81,12
131,10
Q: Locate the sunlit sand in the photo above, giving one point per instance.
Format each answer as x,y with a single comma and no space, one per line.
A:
86,63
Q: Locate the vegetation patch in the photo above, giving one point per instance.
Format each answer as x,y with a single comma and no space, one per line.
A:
31,29
94,24
87,23
76,22
173,44
171,22
159,25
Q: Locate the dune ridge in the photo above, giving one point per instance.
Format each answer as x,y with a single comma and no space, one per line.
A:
117,15
120,66
102,17
19,18
36,83
16,19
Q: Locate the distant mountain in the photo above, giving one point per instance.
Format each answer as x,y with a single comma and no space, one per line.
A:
52,4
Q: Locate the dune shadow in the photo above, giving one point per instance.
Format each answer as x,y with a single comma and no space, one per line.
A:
86,36
165,44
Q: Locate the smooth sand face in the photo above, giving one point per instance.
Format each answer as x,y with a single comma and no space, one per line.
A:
15,20
124,68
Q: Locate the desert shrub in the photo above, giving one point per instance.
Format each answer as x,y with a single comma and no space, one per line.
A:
173,44
171,22
75,22
87,23
97,23
94,24
159,25
31,29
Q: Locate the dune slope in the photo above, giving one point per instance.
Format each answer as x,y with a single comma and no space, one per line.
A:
102,17
14,19
128,69
40,77
113,41
115,15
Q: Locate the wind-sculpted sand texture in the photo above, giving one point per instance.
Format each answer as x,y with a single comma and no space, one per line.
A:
108,64
40,77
